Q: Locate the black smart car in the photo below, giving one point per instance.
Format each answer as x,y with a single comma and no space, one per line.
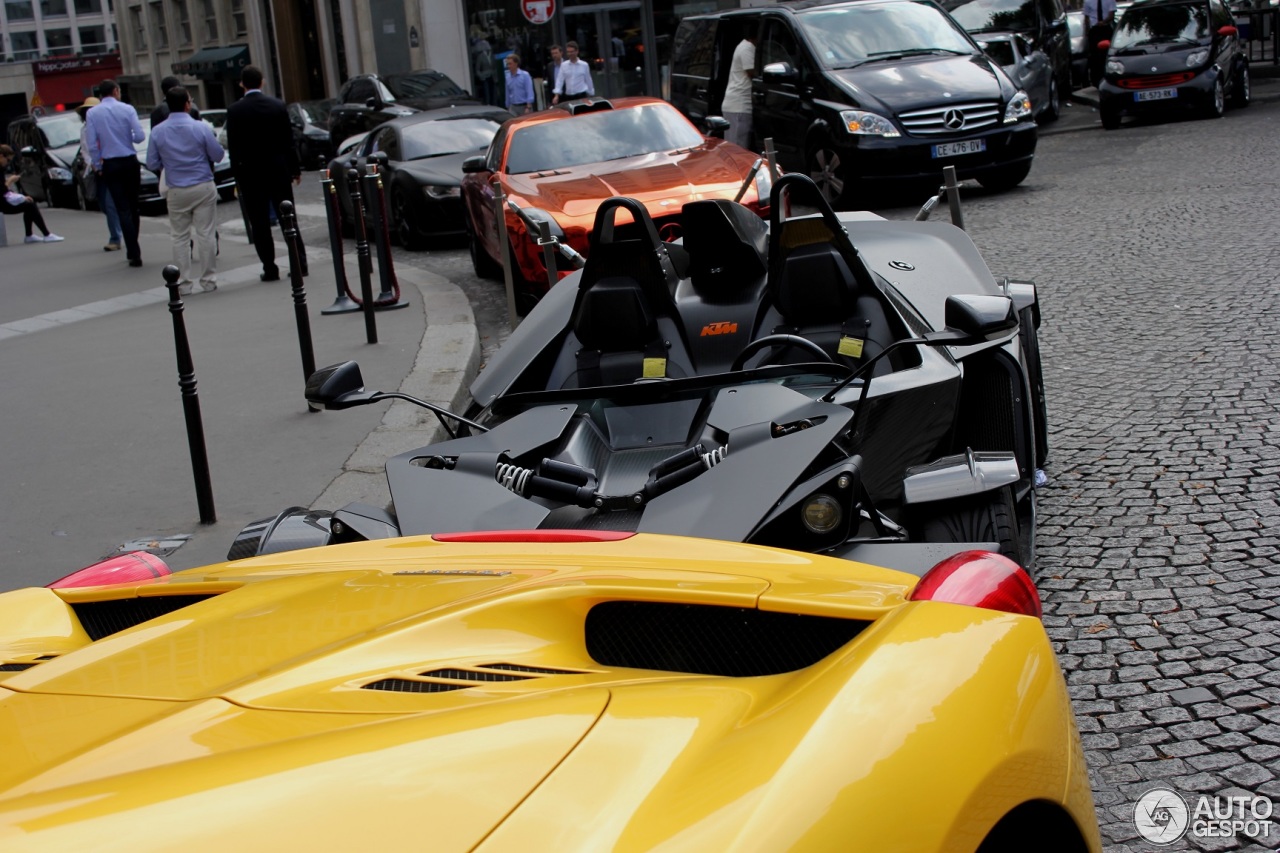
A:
1170,56
863,92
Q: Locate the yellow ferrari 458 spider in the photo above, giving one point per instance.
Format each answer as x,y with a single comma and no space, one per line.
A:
537,691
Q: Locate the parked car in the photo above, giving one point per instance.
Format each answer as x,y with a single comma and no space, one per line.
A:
560,691
46,146
1029,68
1173,56
1042,22
868,92
421,156
1079,52
367,100
310,123
150,201
558,165
217,119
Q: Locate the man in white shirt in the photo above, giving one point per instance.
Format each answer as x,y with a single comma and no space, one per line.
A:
574,79
737,93
1099,24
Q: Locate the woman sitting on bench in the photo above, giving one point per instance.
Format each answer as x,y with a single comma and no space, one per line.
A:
15,202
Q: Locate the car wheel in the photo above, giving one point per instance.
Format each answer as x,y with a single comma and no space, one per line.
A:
484,266
1110,118
521,288
1006,177
988,517
402,220
827,170
1050,112
1217,101
1240,92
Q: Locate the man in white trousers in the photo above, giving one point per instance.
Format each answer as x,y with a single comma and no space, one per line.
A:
183,150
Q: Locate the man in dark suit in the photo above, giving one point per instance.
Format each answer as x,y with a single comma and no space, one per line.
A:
263,158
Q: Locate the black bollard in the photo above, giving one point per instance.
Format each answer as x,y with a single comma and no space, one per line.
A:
376,202
190,400
289,225
362,257
343,304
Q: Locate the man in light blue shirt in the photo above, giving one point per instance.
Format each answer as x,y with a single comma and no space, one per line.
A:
113,129
184,150
519,87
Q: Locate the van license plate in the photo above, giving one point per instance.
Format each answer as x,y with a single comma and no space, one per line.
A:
1155,95
955,149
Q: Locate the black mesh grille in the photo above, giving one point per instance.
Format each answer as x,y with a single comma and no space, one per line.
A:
403,685
987,407
541,670
104,618
15,667
468,675
711,640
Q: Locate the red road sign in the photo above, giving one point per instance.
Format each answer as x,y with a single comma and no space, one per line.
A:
538,11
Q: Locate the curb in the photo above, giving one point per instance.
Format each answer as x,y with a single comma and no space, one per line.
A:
448,359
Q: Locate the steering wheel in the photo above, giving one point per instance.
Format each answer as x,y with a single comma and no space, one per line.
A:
772,341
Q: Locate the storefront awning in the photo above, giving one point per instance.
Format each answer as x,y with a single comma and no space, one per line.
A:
214,63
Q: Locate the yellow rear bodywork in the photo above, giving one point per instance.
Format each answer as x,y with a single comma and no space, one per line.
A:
247,718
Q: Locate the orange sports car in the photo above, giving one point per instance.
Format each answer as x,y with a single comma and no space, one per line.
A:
558,165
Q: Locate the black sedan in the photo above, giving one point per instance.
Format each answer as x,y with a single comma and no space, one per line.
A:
46,145
422,169
310,123
367,100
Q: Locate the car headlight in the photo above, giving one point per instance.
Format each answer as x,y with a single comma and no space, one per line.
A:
1018,109
821,513
863,123
317,133
57,173
1197,57
1114,66
441,192
764,182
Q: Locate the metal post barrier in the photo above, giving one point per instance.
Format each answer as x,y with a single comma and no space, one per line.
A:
772,157
190,400
343,304
289,225
746,182
953,195
548,244
376,201
362,257
500,211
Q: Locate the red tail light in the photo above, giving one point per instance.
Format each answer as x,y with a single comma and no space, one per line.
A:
535,536
980,579
127,568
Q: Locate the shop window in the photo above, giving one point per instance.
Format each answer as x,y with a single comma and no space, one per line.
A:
210,21
19,10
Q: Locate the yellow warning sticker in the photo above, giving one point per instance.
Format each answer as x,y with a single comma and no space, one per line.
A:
851,347
655,368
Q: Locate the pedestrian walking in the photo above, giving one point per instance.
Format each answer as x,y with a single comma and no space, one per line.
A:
14,201
574,79
183,150
161,112
263,158
736,105
93,186
113,129
519,87
551,73
1099,24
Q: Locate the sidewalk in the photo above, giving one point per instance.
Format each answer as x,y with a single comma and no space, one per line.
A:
98,455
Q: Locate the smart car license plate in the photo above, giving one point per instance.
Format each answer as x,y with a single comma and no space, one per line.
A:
1155,95
955,149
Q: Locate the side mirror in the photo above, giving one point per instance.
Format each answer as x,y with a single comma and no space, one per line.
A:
338,386
474,164
974,319
779,72
1228,30
1105,44
716,126
29,150
373,103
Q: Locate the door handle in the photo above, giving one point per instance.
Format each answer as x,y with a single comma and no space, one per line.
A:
700,92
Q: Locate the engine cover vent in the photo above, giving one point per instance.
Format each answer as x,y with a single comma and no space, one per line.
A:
711,640
15,667
104,618
460,679
404,685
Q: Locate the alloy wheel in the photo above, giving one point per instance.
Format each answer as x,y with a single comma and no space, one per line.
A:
825,169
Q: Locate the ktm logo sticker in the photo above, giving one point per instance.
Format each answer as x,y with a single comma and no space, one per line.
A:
722,328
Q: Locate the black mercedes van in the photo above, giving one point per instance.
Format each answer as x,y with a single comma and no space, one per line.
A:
860,91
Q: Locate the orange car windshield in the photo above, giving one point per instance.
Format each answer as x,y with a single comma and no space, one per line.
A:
599,136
